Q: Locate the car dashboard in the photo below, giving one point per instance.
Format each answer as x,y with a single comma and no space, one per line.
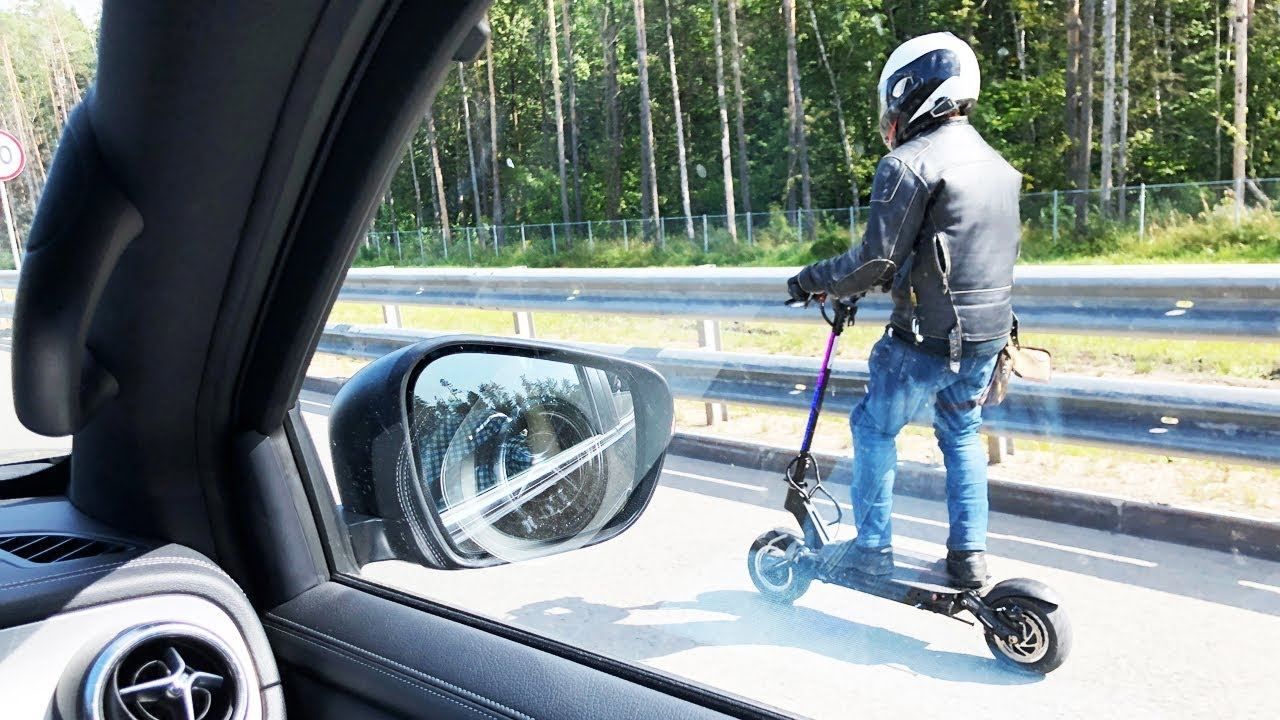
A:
100,626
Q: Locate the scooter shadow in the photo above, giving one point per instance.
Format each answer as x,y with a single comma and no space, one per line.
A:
752,621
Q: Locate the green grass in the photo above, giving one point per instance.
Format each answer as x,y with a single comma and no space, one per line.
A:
1210,236
1235,362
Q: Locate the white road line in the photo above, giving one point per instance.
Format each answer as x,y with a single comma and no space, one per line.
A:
718,481
1028,541
1258,586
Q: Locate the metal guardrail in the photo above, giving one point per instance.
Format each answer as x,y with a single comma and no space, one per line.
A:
1222,302
1221,423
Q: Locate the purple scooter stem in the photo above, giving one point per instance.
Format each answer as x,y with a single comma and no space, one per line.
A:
819,390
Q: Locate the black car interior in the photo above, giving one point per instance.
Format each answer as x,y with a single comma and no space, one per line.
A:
201,212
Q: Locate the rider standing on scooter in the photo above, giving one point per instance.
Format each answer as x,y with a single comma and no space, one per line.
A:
942,237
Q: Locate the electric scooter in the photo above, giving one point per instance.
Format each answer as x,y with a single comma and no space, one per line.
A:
1022,620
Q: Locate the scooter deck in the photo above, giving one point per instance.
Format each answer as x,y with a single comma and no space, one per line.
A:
911,570
922,571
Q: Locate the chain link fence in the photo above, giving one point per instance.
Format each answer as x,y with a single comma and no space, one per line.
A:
1064,216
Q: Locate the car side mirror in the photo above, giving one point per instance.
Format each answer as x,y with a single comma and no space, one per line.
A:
462,452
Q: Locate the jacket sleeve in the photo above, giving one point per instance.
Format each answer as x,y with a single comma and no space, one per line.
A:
899,199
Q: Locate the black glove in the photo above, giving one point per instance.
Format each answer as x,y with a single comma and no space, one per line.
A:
795,292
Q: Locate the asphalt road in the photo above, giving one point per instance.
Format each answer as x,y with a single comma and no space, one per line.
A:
1161,630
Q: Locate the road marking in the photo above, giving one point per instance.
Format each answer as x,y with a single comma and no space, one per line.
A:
1028,541
1258,586
314,408
718,481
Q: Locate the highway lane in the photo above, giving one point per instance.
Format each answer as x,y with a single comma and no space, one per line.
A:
1161,630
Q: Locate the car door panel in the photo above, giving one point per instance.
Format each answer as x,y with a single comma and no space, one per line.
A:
416,664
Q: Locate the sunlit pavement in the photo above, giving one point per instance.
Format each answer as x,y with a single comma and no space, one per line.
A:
1161,630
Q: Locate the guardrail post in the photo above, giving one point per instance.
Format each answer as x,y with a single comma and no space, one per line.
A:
523,323
997,448
1142,212
467,233
751,240
626,242
553,238
704,232
853,228
709,339
524,242
591,237
1055,217
391,315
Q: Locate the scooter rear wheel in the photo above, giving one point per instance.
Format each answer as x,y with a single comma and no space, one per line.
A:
1044,634
773,567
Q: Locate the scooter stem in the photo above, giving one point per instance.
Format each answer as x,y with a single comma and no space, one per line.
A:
819,391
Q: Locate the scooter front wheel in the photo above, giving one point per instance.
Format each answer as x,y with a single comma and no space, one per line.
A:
772,564
1043,634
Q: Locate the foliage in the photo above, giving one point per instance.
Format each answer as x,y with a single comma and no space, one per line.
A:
1180,81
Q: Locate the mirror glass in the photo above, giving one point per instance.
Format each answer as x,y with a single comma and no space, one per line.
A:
522,456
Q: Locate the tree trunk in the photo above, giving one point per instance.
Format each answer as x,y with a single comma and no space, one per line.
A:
1157,80
574,141
726,160
679,117
1020,47
797,111
648,169
1126,58
471,149
559,112
1243,11
1084,124
495,214
1108,100
25,129
417,188
612,126
835,99
1217,92
1072,116
442,200
735,62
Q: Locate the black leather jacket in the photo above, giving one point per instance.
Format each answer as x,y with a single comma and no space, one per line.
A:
944,212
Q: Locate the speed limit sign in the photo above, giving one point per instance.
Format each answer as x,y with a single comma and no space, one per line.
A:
12,158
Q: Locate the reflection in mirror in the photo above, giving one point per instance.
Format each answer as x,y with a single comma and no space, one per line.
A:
522,456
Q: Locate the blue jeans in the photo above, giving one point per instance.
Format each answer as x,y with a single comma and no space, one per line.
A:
902,380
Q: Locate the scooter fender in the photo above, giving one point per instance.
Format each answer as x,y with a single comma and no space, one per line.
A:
1023,587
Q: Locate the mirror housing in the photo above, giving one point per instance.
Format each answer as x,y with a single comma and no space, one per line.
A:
420,479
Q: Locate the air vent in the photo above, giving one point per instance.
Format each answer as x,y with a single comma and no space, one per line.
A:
40,548
167,671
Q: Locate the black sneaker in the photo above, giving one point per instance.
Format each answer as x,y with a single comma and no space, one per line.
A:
843,556
968,568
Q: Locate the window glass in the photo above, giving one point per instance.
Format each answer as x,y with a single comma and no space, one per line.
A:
47,62
642,178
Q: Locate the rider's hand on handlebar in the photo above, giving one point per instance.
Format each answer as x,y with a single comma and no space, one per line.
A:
797,295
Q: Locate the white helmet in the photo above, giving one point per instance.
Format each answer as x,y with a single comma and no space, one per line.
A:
924,81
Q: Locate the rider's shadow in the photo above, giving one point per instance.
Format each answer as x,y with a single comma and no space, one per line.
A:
751,620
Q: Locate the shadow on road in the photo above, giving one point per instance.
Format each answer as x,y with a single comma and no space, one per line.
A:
749,620
1187,571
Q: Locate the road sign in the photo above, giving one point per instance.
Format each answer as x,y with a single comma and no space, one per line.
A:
12,158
